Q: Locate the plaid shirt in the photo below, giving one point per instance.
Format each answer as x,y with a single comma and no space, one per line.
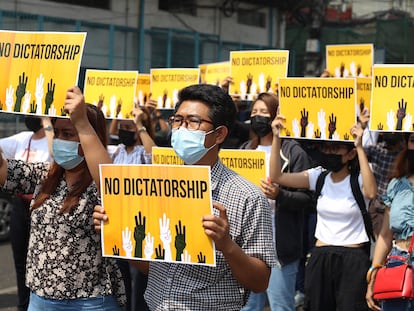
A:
381,160
174,286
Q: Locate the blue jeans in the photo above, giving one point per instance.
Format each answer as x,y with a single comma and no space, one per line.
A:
103,303
398,304
280,292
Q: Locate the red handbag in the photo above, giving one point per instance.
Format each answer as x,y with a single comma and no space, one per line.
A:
395,282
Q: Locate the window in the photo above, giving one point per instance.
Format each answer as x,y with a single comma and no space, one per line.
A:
100,4
251,18
178,6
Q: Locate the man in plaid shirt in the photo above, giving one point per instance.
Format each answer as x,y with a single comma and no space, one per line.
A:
240,227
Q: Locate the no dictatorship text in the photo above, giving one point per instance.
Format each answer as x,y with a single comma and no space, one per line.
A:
176,188
327,92
40,51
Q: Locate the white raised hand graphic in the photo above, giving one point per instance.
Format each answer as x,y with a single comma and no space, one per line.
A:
52,110
408,122
322,123
309,130
26,102
165,236
127,242
185,256
39,93
9,98
149,246
112,106
295,128
391,120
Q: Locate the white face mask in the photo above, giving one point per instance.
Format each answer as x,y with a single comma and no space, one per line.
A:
189,145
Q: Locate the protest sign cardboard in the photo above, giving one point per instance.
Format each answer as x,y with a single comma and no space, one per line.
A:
363,94
143,89
350,60
38,69
318,108
154,213
251,164
167,82
112,90
215,73
392,104
254,72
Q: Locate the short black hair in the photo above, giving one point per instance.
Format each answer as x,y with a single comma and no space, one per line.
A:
222,110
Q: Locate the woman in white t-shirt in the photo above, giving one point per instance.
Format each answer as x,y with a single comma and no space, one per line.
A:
335,274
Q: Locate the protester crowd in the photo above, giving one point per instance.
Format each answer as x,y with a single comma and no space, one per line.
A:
305,231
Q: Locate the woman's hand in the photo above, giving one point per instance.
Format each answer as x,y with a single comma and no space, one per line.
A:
98,216
277,125
357,132
369,295
75,106
270,190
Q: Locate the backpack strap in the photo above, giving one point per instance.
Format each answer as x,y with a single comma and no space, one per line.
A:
319,183
359,198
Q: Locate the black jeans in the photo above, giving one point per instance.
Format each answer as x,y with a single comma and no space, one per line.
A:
19,237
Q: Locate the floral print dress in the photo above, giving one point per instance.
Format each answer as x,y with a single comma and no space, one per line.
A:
64,259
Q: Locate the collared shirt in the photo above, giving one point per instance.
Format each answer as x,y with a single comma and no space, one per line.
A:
400,199
64,259
173,286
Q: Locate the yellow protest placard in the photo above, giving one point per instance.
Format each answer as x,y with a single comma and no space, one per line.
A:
167,82
215,73
164,155
392,103
254,72
350,60
251,164
38,69
203,70
154,213
143,89
113,89
318,108
363,94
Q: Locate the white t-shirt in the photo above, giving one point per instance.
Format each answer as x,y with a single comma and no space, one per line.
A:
339,219
17,147
272,203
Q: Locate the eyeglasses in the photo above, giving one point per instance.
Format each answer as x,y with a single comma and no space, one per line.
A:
192,122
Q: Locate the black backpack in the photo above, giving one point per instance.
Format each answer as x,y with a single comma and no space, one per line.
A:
359,198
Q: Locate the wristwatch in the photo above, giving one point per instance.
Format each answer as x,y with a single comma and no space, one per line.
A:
142,129
48,128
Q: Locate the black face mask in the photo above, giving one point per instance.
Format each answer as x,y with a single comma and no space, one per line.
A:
33,124
261,125
126,137
331,162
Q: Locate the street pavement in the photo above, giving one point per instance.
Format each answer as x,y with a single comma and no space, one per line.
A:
8,289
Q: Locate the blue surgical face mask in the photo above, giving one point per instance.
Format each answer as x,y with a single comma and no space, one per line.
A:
189,145
65,153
